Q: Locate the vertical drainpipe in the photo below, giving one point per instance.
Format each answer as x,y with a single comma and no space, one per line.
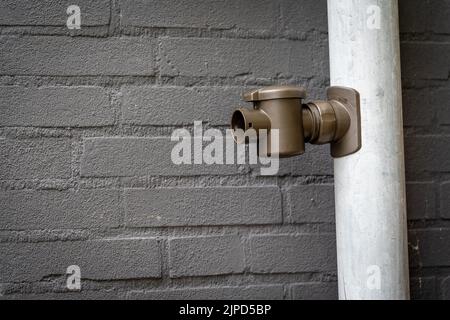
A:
372,248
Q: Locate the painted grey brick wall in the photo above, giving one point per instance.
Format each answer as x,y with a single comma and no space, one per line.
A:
99,259
48,12
425,44
292,253
35,158
206,256
237,57
84,106
140,156
150,105
202,206
85,172
55,209
32,55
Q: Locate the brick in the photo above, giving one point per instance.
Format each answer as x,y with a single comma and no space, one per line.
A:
311,203
260,292
303,16
315,291
145,105
292,253
52,13
426,61
412,14
440,11
418,109
67,295
35,158
439,101
420,16
423,288
97,259
52,209
315,161
202,206
420,200
425,154
55,107
445,200
205,256
65,56
121,157
445,287
429,247
240,14
235,57
422,106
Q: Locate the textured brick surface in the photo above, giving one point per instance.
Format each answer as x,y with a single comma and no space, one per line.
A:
439,100
303,16
203,206
203,256
316,161
52,209
446,288
264,292
234,57
52,13
423,288
414,54
312,203
445,200
411,15
121,157
35,158
55,107
421,16
418,107
76,56
315,291
427,154
430,247
247,14
292,253
68,295
168,105
421,200
100,259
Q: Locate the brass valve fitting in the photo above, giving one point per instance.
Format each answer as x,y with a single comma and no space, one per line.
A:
336,121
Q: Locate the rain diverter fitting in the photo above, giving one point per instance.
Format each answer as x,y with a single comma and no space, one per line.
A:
336,121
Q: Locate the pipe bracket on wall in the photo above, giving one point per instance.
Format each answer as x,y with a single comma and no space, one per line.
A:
347,100
336,121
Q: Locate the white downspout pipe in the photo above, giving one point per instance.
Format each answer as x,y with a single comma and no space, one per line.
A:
372,249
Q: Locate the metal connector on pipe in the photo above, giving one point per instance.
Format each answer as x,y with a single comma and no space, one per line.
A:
335,121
